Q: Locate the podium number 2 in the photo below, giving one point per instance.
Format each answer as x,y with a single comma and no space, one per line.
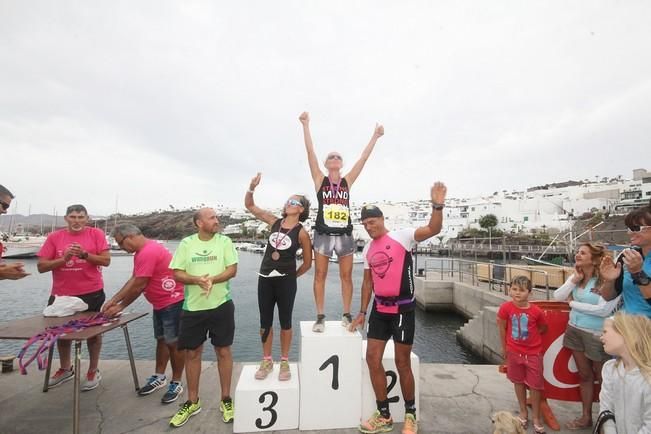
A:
392,383
334,361
269,408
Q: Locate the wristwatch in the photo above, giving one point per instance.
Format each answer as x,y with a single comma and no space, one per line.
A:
640,278
83,255
438,206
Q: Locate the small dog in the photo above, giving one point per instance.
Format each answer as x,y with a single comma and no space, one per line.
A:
506,423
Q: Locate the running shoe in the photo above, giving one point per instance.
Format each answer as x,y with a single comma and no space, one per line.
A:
60,377
376,424
228,410
266,366
284,374
410,426
187,410
173,392
92,381
319,325
153,383
346,320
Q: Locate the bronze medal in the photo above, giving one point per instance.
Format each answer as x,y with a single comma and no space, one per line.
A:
275,256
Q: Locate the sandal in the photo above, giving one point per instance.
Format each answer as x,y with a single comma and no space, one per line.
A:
576,425
538,429
523,422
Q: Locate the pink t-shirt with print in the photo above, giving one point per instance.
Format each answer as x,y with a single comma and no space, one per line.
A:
77,276
152,261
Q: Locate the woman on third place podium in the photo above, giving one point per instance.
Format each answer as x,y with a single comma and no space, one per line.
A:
278,273
334,230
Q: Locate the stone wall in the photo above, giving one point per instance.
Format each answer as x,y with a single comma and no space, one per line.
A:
480,333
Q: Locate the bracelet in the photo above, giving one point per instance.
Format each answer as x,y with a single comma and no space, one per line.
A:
362,312
438,206
249,191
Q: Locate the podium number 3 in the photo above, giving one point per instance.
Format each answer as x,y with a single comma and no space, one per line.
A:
269,408
334,361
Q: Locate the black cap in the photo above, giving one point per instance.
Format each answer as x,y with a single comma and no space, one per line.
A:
369,211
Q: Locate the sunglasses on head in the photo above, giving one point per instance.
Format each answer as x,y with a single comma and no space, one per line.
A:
638,228
334,157
4,205
294,202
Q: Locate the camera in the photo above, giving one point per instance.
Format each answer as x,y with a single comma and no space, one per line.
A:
620,255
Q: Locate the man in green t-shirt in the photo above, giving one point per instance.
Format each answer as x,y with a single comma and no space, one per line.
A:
205,262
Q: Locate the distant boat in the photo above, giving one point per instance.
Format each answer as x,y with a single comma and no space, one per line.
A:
22,246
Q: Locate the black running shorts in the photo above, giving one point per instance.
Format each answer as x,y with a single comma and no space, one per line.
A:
94,300
218,324
399,326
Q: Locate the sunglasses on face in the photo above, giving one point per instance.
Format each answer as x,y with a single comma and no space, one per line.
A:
4,205
294,202
638,228
334,157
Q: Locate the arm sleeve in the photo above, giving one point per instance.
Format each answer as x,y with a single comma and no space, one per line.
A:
646,409
100,241
502,312
405,237
606,395
562,293
179,260
364,253
48,249
603,308
144,263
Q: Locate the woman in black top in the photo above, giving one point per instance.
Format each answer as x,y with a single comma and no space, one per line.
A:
333,230
278,273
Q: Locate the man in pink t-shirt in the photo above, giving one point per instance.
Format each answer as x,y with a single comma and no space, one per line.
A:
75,256
389,276
153,278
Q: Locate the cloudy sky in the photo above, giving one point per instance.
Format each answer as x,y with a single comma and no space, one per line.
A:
160,102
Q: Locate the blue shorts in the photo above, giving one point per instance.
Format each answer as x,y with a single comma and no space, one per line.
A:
166,322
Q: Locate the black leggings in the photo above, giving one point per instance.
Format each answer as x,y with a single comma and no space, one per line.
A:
279,290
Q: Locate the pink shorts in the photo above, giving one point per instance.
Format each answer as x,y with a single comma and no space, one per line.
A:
525,368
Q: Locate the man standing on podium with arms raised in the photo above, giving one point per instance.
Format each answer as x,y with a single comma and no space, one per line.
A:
389,275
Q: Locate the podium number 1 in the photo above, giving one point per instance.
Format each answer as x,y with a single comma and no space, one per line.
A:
269,408
334,361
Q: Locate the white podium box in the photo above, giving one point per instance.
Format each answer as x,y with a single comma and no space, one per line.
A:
331,377
266,405
396,400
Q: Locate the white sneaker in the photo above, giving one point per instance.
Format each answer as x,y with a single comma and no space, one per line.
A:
319,325
92,381
346,320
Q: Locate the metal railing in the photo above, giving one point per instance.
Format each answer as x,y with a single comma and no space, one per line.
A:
469,270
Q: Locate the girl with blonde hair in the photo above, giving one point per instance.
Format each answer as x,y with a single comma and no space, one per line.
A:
626,388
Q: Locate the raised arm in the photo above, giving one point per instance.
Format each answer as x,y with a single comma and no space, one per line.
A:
250,205
359,165
317,175
437,193
306,245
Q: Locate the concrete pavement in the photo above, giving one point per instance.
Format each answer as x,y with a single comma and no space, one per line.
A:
454,399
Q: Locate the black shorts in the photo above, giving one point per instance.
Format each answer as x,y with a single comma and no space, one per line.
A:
94,300
217,323
272,291
399,326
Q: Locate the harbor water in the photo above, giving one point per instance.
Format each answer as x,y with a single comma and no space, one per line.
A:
435,339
